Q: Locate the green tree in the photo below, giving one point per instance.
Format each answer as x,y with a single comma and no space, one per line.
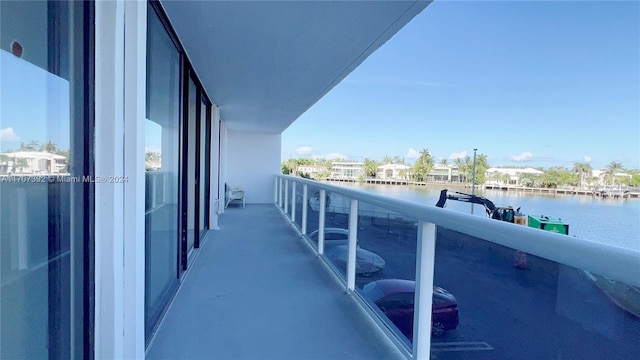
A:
635,178
370,168
555,176
583,170
31,146
530,180
465,168
423,165
49,147
398,160
482,165
387,160
612,169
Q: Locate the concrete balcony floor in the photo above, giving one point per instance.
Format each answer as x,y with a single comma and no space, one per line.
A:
257,291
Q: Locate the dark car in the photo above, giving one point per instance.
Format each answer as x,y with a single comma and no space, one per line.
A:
395,299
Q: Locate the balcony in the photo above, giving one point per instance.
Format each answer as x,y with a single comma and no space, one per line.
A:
258,290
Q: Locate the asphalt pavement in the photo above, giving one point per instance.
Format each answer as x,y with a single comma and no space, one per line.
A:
545,311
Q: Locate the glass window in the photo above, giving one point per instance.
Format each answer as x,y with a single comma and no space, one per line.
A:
191,164
204,158
45,138
161,165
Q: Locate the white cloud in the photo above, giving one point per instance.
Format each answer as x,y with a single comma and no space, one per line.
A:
525,156
304,150
412,154
332,156
587,159
7,134
457,155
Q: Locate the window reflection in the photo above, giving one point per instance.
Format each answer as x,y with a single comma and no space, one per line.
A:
161,170
37,200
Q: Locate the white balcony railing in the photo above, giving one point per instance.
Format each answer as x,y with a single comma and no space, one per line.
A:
611,262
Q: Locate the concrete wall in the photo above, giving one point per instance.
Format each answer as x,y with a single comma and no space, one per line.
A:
252,161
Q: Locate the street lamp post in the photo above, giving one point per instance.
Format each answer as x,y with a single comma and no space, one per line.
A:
473,177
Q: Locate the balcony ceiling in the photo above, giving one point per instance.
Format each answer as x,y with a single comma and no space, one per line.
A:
266,62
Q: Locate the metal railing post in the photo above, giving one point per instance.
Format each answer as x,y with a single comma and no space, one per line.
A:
280,194
293,202
425,262
321,218
353,236
275,190
286,196
304,208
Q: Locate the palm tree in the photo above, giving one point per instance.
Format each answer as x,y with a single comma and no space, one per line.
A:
370,168
423,165
387,159
583,170
49,147
398,160
31,146
465,167
482,165
612,169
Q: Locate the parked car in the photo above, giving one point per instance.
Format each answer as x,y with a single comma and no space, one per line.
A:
367,262
332,236
395,299
337,250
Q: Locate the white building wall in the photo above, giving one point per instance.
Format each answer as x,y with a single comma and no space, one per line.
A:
216,193
252,161
120,88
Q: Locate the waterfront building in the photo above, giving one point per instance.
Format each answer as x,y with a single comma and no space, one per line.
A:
508,176
441,172
345,170
602,178
33,162
394,172
312,170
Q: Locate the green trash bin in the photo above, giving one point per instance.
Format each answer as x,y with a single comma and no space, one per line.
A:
548,223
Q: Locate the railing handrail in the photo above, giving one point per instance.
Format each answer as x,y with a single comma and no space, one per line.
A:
618,263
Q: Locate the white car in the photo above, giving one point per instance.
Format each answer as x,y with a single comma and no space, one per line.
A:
332,236
337,245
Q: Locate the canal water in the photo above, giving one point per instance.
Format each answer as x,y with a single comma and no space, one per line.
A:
610,221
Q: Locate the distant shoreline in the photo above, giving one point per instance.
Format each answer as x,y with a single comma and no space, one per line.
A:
632,194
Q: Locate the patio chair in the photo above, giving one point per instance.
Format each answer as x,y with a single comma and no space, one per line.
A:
234,193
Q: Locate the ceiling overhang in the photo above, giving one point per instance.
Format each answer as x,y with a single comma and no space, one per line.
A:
264,63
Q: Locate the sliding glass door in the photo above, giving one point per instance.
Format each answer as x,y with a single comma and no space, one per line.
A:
191,136
46,211
162,149
176,165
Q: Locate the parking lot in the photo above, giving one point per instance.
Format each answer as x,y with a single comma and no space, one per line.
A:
546,311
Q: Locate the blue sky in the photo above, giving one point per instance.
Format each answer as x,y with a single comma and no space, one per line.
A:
34,106
547,83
